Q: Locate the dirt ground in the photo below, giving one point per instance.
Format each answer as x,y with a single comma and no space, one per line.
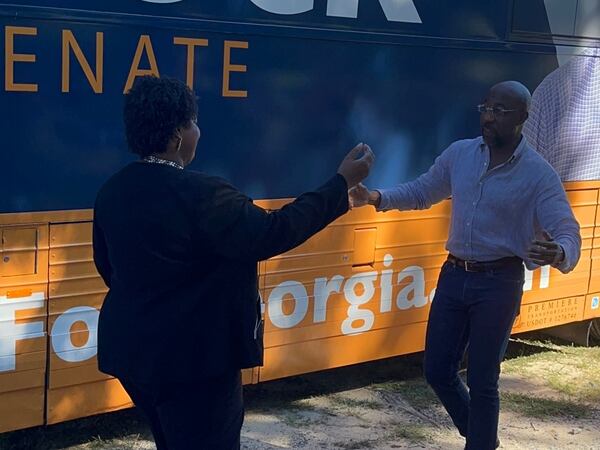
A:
550,400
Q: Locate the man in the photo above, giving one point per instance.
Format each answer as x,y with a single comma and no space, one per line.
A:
504,195
564,120
178,250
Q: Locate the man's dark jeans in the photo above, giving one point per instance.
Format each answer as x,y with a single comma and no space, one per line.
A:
478,309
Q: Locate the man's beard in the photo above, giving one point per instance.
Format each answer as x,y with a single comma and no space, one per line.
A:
493,139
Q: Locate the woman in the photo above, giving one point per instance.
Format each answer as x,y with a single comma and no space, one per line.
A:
178,251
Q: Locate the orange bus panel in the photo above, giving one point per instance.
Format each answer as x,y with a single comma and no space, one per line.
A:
360,290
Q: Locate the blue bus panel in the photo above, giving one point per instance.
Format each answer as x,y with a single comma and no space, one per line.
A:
279,126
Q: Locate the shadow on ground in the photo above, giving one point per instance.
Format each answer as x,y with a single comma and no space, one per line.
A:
405,371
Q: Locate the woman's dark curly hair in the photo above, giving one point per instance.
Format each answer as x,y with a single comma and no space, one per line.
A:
154,109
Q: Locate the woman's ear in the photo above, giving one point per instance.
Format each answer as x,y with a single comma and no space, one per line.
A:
178,140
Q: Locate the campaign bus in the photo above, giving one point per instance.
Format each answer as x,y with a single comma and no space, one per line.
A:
285,88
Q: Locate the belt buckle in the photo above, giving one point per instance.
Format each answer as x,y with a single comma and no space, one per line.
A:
467,265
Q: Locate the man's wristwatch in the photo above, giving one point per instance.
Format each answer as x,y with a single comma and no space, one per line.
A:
375,198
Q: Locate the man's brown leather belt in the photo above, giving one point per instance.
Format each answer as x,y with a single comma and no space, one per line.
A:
483,266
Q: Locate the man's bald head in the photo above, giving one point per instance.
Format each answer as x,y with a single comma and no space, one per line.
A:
514,90
510,101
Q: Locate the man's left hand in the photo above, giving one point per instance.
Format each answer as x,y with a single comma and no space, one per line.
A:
545,251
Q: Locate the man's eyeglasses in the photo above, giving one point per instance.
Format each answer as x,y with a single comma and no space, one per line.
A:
496,111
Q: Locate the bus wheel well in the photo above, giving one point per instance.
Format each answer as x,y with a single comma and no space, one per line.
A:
586,333
595,332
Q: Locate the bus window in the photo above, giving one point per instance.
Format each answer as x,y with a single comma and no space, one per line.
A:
587,23
530,17
557,20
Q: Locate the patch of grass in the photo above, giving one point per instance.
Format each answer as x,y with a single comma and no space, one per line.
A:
125,443
416,392
274,403
570,370
542,408
413,433
355,445
301,405
96,432
339,400
295,420
97,443
292,413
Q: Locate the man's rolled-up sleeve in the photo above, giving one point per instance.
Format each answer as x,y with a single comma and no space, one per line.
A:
554,214
430,188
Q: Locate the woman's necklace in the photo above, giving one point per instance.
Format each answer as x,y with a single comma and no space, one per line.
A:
155,160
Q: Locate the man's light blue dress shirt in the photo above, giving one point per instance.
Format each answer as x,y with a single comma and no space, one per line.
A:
495,213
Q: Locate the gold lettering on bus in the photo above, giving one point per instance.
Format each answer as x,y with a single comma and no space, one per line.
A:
91,61
190,43
70,43
228,67
11,58
144,44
